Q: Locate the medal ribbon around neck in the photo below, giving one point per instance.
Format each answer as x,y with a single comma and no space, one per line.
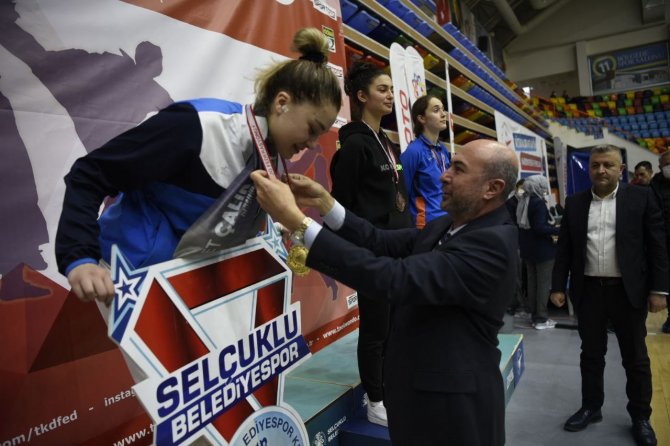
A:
400,201
297,254
260,146
437,154
389,155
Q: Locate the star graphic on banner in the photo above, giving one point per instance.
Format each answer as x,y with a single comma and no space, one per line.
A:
274,239
128,283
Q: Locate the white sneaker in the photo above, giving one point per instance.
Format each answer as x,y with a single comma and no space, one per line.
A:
549,323
377,413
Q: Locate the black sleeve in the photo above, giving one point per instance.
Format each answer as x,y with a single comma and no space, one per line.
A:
464,274
559,277
156,150
394,243
655,248
345,171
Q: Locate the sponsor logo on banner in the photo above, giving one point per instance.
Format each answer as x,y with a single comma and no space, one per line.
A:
319,439
214,337
352,300
324,8
409,83
330,36
524,143
401,95
530,163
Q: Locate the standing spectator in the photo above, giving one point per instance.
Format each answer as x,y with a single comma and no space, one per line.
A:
367,179
612,245
425,160
643,173
536,246
519,306
660,184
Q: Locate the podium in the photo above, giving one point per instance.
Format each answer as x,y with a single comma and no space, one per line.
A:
327,393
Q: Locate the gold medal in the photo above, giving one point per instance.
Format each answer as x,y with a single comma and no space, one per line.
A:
297,260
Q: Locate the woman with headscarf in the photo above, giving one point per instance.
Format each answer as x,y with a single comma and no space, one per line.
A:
537,248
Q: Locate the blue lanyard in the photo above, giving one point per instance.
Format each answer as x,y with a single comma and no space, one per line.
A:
435,149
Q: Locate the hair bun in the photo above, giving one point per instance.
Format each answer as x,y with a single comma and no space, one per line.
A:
314,56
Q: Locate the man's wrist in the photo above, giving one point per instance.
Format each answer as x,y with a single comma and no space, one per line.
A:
293,222
326,205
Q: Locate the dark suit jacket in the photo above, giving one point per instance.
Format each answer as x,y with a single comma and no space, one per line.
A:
640,241
441,368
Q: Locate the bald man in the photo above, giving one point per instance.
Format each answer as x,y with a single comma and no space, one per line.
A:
450,283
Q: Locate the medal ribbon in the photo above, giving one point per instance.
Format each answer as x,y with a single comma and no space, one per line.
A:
259,144
437,154
389,155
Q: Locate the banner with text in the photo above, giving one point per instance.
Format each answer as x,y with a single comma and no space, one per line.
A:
630,68
74,74
529,146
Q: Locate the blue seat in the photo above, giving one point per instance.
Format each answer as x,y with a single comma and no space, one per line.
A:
411,19
626,127
348,9
383,34
640,118
425,29
665,132
397,8
635,127
655,133
363,22
663,124
644,126
653,125
645,134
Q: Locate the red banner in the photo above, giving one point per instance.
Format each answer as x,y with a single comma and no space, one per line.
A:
73,75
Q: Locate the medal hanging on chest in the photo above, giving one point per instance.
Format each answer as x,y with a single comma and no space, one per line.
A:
297,254
400,201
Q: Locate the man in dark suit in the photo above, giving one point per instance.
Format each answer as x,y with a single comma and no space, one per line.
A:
450,283
611,243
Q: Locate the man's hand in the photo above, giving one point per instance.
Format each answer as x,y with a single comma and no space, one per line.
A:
657,302
276,198
557,298
309,193
90,281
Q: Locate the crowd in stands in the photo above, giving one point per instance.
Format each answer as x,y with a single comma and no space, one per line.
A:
642,117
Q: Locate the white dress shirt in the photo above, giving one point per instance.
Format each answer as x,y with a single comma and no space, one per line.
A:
334,219
601,255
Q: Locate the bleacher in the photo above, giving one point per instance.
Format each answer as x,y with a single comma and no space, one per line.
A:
642,117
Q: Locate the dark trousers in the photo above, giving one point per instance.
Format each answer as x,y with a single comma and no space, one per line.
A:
375,317
605,300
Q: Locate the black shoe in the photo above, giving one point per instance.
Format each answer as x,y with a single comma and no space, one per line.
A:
643,433
582,418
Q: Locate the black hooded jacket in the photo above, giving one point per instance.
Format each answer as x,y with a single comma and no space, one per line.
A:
363,180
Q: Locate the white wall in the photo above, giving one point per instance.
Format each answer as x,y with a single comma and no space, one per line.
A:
598,25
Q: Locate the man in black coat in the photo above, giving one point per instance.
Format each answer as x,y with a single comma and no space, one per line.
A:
612,245
660,184
450,283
